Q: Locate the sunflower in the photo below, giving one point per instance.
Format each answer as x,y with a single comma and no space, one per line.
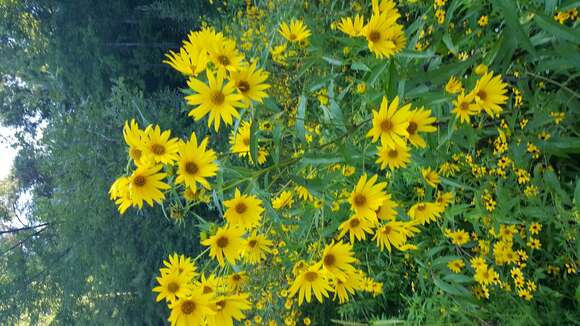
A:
431,177
157,147
425,212
224,55
212,284
243,210
389,7
464,107
217,99
444,199
240,143
235,281
344,288
134,138
357,227
453,85
295,32
228,308
181,264
190,60
489,93
311,279
172,285
352,26
486,275
381,31
255,248
337,259
284,199
196,164
456,265
392,233
390,123
387,210
205,38
191,309
227,242
120,193
393,157
367,197
420,120
145,185
304,193
250,82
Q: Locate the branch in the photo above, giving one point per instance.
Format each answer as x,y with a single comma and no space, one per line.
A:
24,228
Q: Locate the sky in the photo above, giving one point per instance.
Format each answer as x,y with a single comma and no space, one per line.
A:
7,153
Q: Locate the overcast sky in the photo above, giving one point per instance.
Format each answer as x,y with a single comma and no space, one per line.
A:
7,153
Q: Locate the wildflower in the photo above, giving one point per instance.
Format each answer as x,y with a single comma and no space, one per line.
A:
309,281
535,228
420,120
228,309
425,212
191,309
453,85
337,259
134,138
196,163
243,210
464,107
240,143
227,242
456,265
191,59
297,31
217,99
357,227
431,177
483,21
352,26
481,69
458,237
250,82
367,197
489,93
224,55
172,285
181,264
390,123
387,210
284,199
157,147
393,157
393,233
145,184
385,37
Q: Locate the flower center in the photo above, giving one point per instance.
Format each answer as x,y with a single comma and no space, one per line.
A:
360,200
236,277
464,106
139,181
252,243
223,60
386,125
421,207
412,128
387,230
172,287
158,149
188,307
243,86
246,141
393,153
218,98
222,242
311,276
241,208
329,260
136,153
191,168
482,94
354,223
207,289
374,36
220,305
293,36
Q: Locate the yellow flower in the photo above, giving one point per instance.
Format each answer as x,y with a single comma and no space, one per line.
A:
224,55
303,193
310,280
489,93
385,37
357,227
387,7
145,184
295,32
240,143
228,309
181,264
486,275
344,287
535,228
431,177
387,210
420,120
458,237
249,81
393,157
227,242
390,123
190,60
425,212
337,259
235,281
367,197
453,86
191,309
464,107
255,248
283,200
157,147
481,69
134,138
361,88
217,99
172,285
119,192
243,210
352,26
393,233
483,21
456,265
196,164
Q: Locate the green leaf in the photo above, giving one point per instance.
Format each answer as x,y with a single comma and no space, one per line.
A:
509,11
300,116
359,66
457,278
254,142
449,43
559,31
451,289
332,61
577,195
277,136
